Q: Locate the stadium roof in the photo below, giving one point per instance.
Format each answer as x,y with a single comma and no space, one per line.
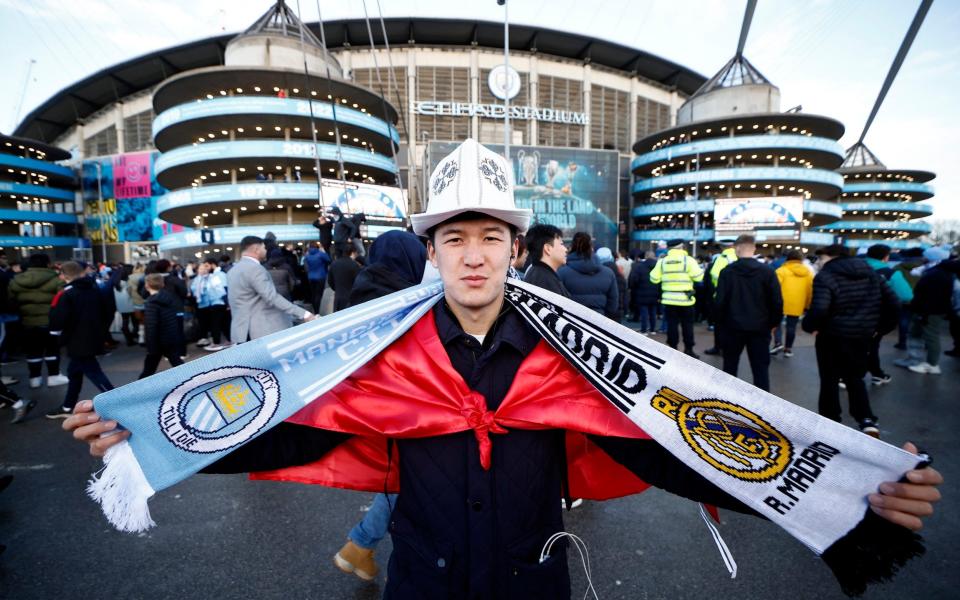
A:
859,159
84,98
738,71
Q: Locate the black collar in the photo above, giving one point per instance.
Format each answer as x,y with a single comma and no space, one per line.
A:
544,265
509,328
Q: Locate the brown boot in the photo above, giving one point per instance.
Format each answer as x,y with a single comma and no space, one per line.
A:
354,559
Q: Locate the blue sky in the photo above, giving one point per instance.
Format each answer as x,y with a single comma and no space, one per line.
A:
829,55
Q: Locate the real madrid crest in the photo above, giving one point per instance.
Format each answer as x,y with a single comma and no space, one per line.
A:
219,409
730,438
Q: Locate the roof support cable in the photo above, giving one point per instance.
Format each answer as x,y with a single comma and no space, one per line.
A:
333,101
897,63
745,26
313,122
391,81
383,100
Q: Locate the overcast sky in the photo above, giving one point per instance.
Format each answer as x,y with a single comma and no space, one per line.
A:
831,56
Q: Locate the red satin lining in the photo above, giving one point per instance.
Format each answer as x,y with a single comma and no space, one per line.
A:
411,390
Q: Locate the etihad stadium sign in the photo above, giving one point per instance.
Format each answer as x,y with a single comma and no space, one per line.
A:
498,111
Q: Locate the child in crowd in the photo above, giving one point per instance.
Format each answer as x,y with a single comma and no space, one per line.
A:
162,332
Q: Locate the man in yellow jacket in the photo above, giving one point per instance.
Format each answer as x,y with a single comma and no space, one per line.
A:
796,284
676,273
720,262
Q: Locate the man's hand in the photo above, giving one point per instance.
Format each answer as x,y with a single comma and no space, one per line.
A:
905,503
309,316
87,426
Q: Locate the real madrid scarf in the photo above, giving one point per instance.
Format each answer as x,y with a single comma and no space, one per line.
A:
808,474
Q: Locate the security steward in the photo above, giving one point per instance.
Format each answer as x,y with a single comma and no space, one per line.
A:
676,273
720,262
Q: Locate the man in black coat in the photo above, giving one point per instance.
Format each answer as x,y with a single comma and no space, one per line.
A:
162,331
461,530
851,304
748,307
643,293
341,276
931,307
77,315
547,254
344,230
325,229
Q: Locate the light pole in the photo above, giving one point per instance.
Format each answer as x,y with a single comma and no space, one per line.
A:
103,233
506,64
696,207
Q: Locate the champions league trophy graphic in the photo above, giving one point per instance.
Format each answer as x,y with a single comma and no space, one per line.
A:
529,166
571,171
553,168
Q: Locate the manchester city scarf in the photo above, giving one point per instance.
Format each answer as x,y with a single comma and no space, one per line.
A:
805,473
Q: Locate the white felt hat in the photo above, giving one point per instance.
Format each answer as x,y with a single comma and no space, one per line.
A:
472,178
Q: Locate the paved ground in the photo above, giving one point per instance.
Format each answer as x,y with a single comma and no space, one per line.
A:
226,537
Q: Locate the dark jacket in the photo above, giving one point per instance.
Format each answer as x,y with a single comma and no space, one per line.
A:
396,261
316,262
621,291
851,300
460,531
343,272
343,230
162,331
748,297
79,316
282,278
590,284
33,291
642,291
542,275
173,284
934,290
326,232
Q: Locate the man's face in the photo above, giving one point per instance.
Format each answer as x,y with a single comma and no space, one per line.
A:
259,251
472,258
556,253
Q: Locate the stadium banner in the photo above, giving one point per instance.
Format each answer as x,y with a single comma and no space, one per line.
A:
768,218
128,187
571,188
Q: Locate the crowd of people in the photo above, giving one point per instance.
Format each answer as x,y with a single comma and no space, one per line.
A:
755,303
750,301
163,306
455,517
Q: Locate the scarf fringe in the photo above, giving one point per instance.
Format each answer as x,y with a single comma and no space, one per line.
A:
122,491
871,552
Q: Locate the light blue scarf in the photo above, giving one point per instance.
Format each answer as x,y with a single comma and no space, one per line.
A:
808,474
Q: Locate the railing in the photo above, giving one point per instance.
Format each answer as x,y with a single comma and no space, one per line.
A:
735,175
41,191
737,144
241,149
262,105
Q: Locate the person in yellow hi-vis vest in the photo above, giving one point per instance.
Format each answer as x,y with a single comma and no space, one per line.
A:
676,273
720,262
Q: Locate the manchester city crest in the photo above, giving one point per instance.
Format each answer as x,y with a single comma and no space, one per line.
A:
219,409
730,438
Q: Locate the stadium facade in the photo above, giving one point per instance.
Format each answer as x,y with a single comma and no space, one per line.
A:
566,91
735,163
881,204
37,198
219,134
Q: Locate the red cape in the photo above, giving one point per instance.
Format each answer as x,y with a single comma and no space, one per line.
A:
411,390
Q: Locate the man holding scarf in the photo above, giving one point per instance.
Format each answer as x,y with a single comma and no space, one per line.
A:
476,509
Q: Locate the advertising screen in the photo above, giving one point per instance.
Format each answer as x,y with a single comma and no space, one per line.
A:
571,188
768,218
129,191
